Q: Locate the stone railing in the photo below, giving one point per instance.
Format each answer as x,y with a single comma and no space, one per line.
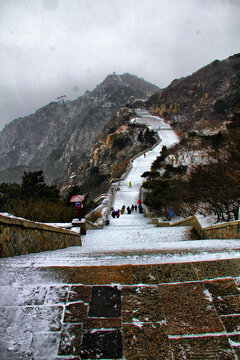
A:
227,230
19,236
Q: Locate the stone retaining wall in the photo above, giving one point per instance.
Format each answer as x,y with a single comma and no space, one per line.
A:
228,230
20,236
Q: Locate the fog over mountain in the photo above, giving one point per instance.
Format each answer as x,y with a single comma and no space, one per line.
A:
50,48
58,136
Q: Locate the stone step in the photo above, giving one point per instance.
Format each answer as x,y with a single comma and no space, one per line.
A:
183,251
100,312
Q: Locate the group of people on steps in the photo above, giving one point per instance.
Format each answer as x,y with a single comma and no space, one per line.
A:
116,213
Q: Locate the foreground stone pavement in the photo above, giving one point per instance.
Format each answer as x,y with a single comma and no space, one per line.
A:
166,311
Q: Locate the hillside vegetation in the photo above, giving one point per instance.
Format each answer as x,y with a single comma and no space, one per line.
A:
110,156
204,100
92,140
201,173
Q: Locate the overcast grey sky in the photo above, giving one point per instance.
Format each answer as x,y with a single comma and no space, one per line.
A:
50,48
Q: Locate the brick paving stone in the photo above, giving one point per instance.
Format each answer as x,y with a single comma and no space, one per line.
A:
163,273
142,303
66,358
80,336
36,296
15,333
231,323
227,305
71,339
237,352
9,355
80,293
45,345
75,312
217,268
91,275
237,281
8,317
16,296
234,341
57,294
107,323
202,348
11,296
188,310
222,287
102,345
147,342
105,302
157,309
45,318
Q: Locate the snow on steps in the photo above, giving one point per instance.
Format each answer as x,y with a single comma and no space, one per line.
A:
132,239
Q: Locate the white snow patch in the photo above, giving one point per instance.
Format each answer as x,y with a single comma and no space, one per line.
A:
208,295
137,322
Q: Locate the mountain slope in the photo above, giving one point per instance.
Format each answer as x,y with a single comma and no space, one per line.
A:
57,137
109,157
205,99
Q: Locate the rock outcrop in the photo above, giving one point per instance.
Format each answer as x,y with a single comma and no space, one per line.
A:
206,99
110,155
57,138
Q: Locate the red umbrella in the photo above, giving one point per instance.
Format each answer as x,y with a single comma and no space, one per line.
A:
77,198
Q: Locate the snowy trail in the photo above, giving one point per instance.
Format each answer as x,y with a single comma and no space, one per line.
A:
32,304
130,195
133,239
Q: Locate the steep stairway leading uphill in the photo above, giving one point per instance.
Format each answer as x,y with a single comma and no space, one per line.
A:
132,238
127,285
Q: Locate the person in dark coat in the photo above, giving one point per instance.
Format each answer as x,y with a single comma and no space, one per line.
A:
132,208
129,210
135,207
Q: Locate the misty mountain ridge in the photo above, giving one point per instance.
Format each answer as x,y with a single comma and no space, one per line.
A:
200,107
58,137
204,100
90,140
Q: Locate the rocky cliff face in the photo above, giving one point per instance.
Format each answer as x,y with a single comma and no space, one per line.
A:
111,154
58,137
206,99
207,102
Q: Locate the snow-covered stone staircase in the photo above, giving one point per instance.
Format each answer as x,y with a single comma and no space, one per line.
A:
131,239
48,300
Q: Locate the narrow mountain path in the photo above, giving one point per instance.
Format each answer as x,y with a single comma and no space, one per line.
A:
129,283
132,238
